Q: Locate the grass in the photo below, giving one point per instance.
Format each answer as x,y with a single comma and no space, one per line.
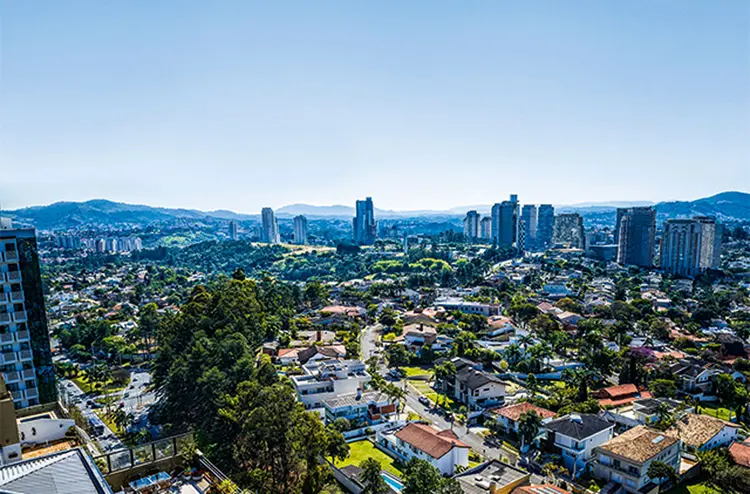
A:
417,371
83,383
361,450
425,389
694,488
107,419
718,412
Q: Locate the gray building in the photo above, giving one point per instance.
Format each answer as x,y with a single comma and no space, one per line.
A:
529,230
636,236
365,228
711,236
545,226
505,222
300,230
269,230
485,228
233,230
689,247
568,231
471,226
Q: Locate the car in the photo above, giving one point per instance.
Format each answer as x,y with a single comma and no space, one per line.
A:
90,403
126,395
424,401
70,385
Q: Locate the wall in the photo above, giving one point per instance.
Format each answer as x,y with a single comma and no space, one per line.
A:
724,437
43,430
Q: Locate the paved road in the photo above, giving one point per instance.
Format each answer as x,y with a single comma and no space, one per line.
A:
369,340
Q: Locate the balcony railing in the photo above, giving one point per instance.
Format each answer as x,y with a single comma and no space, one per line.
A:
22,335
4,298
9,357
4,317
577,448
32,393
6,338
11,255
14,276
28,373
16,296
19,316
12,376
25,354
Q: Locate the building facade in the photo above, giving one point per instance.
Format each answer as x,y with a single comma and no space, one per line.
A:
471,226
529,218
485,228
233,230
505,222
24,339
568,231
545,226
269,231
681,247
636,235
365,228
300,230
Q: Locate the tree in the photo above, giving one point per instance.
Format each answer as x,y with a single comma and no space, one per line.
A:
528,426
665,388
660,470
398,355
421,477
523,313
532,384
371,477
444,372
579,379
315,294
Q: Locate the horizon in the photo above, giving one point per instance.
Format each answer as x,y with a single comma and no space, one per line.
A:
242,104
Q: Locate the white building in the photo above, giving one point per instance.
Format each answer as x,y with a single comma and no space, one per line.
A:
441,449
269,231
700,432
300,230
576,435
454,303
327,379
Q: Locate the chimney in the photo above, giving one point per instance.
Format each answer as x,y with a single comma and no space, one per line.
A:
318,335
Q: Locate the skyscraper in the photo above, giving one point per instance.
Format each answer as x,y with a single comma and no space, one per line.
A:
485,227
545,226
24,337
505,222
711,236
471,226
269,231
233,231
365,228
636,236
568,231
300,230
680,247
529,218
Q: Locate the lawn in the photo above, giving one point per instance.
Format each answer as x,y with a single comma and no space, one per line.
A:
359,451
107,419
425,389
694,488
83,383
714,411
412,372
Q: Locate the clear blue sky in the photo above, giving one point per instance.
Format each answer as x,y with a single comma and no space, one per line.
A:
420,104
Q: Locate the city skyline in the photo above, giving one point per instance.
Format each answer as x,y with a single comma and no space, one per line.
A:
614,100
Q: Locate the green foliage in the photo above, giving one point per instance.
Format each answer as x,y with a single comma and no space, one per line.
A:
663,388
371,479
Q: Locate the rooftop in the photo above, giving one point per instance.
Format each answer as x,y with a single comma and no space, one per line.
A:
478,480
639,444
514,412
579,425
351,399
695,430
740,453
425,438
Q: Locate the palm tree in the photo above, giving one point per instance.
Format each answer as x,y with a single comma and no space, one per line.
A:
525,341
580,378
443,372
528,426
512,353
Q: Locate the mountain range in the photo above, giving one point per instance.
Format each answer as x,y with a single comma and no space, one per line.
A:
725,206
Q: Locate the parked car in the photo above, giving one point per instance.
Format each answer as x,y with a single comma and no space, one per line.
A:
424,401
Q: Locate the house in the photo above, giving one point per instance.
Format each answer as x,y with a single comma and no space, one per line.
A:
369,408
576,435
478,389
740,453
416,336
294,356
493,477
353,479
695,377
625,459
455,303
569,318
509,416
442,449
641,412
326,379
623,394
540,489
700,432
499,325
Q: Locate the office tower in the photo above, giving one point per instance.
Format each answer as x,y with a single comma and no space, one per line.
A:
100,245
300,230
485,227
269,231
568,231
529,218
636,236
365,228
711,236
471,226
681,247
521,241
26,355
505,222
233,230
545,228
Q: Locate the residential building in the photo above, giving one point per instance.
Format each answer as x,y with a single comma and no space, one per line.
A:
509,416
300,230
485,227
568,231
545,228
233,230
693,376
642,412
24,338
303,355
269,232
576,435
495,477
529,219
636,236
711,236
472,386
416,336
325,379
442,449
689,247
604,252
505,222
471,226
699,432
615,396
625,459
454,303
740,453
365,228
360,409
540,489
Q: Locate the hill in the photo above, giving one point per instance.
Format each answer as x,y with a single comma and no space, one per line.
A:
724,206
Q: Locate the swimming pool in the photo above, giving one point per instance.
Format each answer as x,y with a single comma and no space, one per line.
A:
392,482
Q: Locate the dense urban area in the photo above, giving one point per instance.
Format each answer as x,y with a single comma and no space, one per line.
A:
525,349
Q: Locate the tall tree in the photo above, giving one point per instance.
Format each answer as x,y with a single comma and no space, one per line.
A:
371,478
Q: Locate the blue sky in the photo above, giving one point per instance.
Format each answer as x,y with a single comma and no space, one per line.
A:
420,104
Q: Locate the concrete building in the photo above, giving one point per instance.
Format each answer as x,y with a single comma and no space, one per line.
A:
300,230
471,226
576,436
529,219
711,235
441,449
269,231
545,227
485,227
365,227
326,379
24,339
568,231
233,230
636,235
505,222
681,247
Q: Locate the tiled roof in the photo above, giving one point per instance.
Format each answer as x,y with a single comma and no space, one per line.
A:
639,444
740,453
695,429
67,472
540,489
621,390
571,426
514,412
429,440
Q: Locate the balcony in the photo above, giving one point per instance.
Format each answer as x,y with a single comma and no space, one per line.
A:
13,276
16,296
28,373
4,317
32,393
4,298
6,338
574,449
19,316
10,357
22,336
25,354
11,376
11,255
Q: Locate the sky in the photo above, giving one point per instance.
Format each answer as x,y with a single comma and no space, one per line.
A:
420,104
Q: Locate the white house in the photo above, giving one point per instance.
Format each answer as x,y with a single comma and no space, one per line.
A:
702,432
509,416
327,379
625,459
442,449
576,436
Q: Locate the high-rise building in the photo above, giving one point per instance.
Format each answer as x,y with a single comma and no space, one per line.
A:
521,241
365,228
545,228
680,247
505,222
300,230
529,218
568,231
636,236
24,338
233,230
471,226
269,231
711,236
485,228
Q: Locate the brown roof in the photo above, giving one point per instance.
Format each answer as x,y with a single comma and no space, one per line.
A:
695,429
539,489
620,391
740,453
514,412
429,440
639,444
